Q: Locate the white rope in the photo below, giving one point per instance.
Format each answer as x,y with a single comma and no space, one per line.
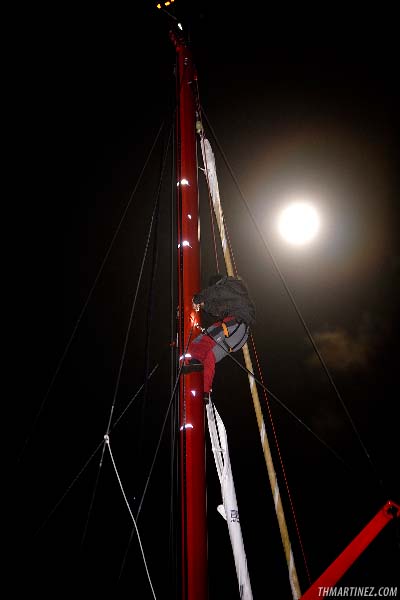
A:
107,441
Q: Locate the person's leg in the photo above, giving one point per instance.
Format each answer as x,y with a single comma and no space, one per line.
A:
206,350
201,349
209,370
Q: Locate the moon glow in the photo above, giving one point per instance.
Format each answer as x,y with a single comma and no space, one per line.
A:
299,223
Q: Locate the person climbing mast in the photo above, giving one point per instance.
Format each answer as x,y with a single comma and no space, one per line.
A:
226,299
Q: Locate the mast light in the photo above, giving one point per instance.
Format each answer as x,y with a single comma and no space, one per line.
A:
187,426
168,3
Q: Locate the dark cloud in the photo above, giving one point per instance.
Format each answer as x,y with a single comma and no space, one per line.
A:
346,351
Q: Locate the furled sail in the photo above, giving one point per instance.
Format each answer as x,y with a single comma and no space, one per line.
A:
229,510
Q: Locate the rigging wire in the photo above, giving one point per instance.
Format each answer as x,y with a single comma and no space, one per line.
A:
149,313
162,428
288,410
172,542
152,221
89,460
172,115
156,450
89,296
152,286
110,426
282,404
259,370
282,465
290,295
107,442
122,361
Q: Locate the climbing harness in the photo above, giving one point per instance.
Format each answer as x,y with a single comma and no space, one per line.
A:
230,335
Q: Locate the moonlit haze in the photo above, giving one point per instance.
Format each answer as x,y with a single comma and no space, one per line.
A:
299,223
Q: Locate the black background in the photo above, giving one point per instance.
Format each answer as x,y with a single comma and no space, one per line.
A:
297,101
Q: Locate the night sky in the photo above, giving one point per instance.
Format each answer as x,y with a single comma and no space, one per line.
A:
300,105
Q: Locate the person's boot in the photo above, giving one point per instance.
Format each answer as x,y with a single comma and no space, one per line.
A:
193,365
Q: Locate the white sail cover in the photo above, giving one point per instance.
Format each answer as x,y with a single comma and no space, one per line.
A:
229,510
211,175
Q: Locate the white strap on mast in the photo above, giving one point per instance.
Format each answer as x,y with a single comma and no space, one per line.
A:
230,510
211,175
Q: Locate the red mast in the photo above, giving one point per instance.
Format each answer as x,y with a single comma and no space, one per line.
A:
191,404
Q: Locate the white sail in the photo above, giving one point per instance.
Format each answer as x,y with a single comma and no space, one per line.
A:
229,510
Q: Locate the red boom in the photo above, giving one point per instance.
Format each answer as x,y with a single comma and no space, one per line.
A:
339,566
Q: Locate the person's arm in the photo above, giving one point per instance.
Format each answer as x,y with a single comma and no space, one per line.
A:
200,298
211,299
209,293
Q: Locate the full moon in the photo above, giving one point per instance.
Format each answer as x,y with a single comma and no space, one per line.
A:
299,223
